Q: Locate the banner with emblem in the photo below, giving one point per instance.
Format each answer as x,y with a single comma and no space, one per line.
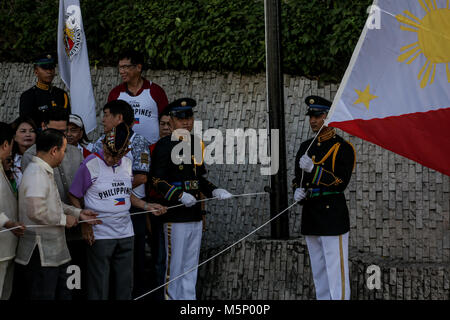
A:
73,62
396,90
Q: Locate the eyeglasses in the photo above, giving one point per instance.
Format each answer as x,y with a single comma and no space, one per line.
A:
74,130
126,67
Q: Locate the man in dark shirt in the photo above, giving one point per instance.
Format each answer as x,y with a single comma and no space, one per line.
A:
155,226
43,96
323,169
182,180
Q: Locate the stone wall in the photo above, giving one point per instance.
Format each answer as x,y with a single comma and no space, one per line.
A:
280,270
399,210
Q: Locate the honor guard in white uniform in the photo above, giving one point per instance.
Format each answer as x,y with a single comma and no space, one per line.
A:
326,169
182,182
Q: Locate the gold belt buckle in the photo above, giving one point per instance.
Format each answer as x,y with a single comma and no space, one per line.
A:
194,184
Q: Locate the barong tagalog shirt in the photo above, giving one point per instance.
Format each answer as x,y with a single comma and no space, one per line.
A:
8,212
40,204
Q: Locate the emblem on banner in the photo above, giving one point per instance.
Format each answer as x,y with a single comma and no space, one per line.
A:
72,31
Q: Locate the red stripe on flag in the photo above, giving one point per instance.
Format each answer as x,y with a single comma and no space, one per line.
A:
423,137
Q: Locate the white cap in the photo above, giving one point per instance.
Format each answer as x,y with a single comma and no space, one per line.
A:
76,120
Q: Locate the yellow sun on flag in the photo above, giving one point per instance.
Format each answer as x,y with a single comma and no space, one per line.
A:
433,39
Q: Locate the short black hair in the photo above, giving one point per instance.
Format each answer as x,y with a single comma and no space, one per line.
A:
165,112
48,139
56,114
134,56
121,107
6,133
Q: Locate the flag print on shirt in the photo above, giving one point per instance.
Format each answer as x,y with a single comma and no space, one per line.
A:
119,201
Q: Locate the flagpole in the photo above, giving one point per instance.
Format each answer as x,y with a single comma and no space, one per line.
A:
275,103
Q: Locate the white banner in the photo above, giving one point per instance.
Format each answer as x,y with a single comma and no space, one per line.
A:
73,62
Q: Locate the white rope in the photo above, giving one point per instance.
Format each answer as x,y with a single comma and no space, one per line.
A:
131,214
217,254
31,226
202,200
240,240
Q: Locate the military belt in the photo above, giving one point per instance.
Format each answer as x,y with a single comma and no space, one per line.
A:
326,193
311,193
187,185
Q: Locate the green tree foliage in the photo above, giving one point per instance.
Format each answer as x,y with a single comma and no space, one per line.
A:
318,37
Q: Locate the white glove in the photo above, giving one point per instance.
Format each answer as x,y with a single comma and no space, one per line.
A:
222,194
188,199
306,163
299,194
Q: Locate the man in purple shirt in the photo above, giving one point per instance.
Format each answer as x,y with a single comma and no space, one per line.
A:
104,182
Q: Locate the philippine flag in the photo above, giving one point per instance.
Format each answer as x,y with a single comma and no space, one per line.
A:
136,120
119,202
395,92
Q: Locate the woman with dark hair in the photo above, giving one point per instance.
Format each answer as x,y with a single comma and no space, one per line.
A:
25,136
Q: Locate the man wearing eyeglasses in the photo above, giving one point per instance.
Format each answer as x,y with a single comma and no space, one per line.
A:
76,135
146,97
64,173
58,119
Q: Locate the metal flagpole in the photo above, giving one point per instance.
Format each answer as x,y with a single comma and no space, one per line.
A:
275,103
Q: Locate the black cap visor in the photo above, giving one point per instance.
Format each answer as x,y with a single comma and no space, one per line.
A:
182,114
315,112
46,66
